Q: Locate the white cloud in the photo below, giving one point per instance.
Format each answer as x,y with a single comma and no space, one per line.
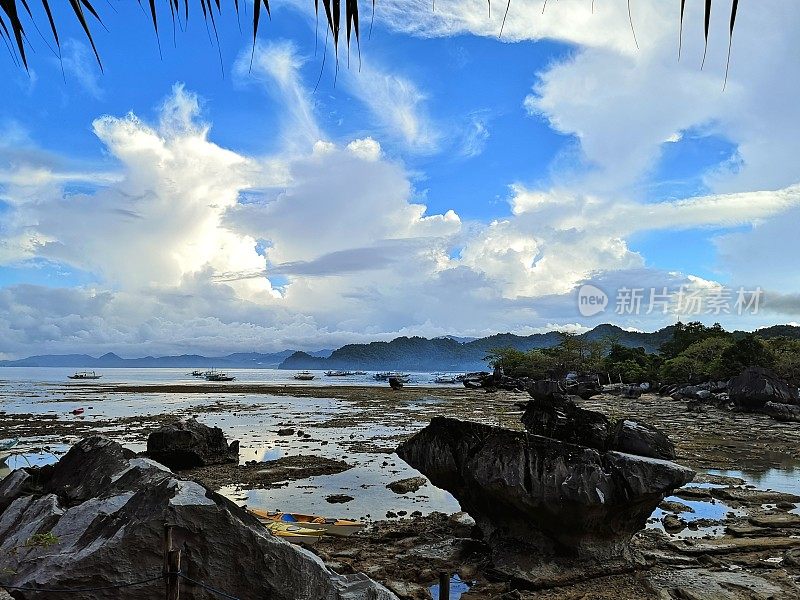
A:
79,63
397,106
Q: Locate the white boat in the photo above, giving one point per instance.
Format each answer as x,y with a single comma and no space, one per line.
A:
304,376
7,448
85,375
445,379
385,375
338,373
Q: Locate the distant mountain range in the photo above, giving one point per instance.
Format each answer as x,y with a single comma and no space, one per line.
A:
238,360
449,353
446,353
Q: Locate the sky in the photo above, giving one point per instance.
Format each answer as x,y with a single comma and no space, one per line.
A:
436,179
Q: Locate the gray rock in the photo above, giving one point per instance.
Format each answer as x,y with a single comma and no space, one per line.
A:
188,444
560,418
756,386
408,485
104,512
641,439
536,496
782,412
673,523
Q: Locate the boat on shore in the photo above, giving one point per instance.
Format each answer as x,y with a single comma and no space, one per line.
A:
7,448
326,525
304,376
445,379
294,534
84,375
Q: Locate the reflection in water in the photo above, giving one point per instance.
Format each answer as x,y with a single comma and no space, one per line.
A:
457,587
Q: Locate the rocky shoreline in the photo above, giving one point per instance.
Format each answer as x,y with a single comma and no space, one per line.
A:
748,547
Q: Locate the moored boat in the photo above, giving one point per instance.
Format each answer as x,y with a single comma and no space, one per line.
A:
445,379
327,525
7,448
84,375
304,376
385,375
218,376
339,373
294,533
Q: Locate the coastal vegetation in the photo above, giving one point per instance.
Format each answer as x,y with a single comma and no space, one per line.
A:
693,352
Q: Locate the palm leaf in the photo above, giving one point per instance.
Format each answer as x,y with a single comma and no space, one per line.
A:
12,27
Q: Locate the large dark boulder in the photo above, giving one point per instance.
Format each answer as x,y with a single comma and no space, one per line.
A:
560,418
755,386
537,499
188,444
546,389
782,412
105,512
638,438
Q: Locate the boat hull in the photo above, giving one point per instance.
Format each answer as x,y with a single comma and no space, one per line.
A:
336,527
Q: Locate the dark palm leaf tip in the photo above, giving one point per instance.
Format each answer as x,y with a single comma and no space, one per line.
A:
12,30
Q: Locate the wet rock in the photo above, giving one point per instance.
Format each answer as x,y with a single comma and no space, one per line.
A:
632,391
535,497
286,431
673,523
104,511
546,389
558,417
641,439
339,499
782,520
676,507
782,412
792,557
189,443
409,485
756,386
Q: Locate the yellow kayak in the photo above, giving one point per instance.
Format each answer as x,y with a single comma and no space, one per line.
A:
295,534
338,527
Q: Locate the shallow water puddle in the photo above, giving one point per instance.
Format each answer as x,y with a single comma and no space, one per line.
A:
457,587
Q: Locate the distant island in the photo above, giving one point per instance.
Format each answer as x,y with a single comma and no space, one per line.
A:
447,353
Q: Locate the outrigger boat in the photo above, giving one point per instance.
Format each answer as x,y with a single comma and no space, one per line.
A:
325,525
85,375
7,448
294,533
385,375
304,376
339,373
218,376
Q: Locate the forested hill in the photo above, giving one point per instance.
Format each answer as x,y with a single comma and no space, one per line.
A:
448,354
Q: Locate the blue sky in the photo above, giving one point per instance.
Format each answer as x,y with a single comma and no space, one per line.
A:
457,183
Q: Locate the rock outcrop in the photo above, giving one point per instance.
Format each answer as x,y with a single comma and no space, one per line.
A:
756,386
95,519
536,498
561,419
188,444
556,416
641,439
